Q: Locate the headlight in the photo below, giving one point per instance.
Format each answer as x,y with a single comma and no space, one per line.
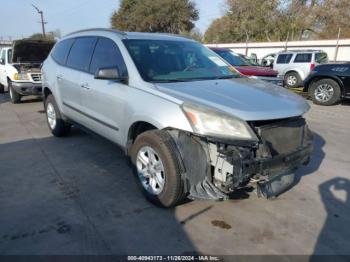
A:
212,123
21,76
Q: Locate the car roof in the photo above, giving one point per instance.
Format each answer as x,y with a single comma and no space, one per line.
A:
301,51
131,35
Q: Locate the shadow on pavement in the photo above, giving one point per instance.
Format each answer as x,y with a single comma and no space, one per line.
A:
77,195
335,234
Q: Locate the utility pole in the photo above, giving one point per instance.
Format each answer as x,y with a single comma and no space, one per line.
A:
41,13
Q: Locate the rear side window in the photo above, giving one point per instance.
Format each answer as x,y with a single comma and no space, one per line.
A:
321,58
303,58
61,50
284,58
80,54
107,54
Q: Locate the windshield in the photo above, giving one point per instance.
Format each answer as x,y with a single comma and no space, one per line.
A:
233,59
176,61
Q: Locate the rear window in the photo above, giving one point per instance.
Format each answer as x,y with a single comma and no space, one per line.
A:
61,50
80,54
303,58
284,58
321,58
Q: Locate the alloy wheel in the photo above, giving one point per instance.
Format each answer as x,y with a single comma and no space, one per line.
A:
150,170
324,92
51,115
292,80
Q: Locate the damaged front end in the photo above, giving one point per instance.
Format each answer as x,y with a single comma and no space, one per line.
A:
214,168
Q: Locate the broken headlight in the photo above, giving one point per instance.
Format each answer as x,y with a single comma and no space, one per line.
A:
206,121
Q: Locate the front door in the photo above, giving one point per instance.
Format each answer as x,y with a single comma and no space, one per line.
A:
104,101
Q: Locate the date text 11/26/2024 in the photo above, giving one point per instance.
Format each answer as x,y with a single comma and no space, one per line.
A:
173,258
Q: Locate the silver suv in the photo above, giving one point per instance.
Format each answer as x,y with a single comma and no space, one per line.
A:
191,125
295,65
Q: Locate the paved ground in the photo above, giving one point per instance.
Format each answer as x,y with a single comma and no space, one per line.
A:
76,195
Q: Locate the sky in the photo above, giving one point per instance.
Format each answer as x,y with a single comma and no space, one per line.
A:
19,19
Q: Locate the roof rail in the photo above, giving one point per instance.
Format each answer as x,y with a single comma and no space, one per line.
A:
301,50
98,29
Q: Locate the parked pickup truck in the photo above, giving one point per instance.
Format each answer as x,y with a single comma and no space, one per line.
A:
20,67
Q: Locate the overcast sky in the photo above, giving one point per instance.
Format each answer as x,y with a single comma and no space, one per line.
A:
19,19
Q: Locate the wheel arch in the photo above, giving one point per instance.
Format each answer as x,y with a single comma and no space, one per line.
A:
46,92
321,77
294,70
136,129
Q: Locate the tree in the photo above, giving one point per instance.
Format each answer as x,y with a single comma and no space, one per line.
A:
52,35
330,16
168,16
243,20
279,20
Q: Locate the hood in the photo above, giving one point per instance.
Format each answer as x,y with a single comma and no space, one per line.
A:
256,71
32,51
245,98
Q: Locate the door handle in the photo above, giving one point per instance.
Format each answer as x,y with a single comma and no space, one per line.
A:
85,86
59,77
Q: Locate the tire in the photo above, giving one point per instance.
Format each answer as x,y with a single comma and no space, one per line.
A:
172,191
325,92
14,96
2,89
57,125
292,80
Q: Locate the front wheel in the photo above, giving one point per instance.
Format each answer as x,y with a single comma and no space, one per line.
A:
325,92
56,124
157,169
14,96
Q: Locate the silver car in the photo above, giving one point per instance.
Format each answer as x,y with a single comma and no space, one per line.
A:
191,125
295,65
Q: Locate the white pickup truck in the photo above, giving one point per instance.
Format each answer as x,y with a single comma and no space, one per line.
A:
20,67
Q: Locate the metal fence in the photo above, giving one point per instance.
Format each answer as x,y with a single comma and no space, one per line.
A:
337,50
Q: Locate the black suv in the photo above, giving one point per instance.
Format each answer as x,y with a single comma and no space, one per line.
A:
327,84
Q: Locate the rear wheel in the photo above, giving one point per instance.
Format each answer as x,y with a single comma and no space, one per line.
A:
325,92
56,124
292,80
157,169
2,89
14,96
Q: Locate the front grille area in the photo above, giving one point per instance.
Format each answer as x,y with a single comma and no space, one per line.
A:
283,136
36,77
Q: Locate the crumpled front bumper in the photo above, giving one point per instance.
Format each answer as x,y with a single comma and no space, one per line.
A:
212,169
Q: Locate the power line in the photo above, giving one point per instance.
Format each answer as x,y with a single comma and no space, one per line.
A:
41,13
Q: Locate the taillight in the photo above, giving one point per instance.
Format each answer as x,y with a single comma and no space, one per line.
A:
312,66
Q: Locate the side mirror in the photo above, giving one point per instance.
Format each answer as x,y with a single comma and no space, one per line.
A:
109,73
2,61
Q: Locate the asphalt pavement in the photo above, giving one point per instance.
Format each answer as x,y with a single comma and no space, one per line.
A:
77,195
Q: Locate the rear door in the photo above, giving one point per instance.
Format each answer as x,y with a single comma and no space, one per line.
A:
281,63
104,101
69,77
303,62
